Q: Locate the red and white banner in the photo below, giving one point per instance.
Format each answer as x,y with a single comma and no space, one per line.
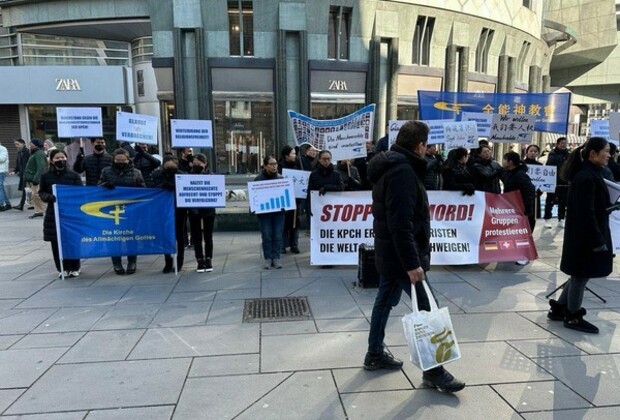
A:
474,229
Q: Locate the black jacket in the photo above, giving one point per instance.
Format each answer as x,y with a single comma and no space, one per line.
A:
433,170
557,157
48,179
327,178
146,164
614,167
129,177
518,180
92,165
587,225
350,177
362,168
23,154
401,212
458,178
486,176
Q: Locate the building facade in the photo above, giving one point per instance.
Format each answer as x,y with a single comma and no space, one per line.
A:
243,64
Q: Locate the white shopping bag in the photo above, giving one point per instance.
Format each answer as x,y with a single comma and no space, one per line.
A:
430,335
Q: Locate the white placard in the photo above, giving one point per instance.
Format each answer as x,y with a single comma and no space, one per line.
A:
254,150
512,128
460,134
483,122
346,144
599,128
79,122
271,196
300,181
614,126
614,190
543,177
614,227
436,133
136,128
393,129
200,191
191,133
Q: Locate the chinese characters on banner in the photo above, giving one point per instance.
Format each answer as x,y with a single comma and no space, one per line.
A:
300,181
481,228
512,128
543,177
483,122
460,134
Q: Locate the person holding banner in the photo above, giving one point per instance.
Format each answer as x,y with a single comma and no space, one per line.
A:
122,174
271,224
202,221
557,157
515,178
486,172
402,242
531,158
58,174
456,175
587,250
145,163
290,235
94,163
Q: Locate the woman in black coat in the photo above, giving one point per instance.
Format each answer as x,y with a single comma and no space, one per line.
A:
515,178
587,250
531,158
290,235
58,174
325,177
456,174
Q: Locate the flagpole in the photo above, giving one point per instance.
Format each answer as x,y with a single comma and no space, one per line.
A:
58,237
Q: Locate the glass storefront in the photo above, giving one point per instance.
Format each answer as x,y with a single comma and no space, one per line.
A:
244,134
330,111
407,112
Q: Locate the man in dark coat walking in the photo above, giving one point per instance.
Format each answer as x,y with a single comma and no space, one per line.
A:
557,157
23,154
93,164
402,242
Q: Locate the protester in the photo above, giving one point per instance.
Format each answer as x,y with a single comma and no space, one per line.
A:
202,221
35,167
587,250
23,154
383,144
122,174
486,172
432,180
474,154
94,163
362,166
557,157
290,235
145,163
48,146
456,175
185,159
402,242
349,174
613,165
531,158
5,204
271,224
58,174
165,178
308,156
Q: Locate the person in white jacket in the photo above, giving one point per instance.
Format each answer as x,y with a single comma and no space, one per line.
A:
5,204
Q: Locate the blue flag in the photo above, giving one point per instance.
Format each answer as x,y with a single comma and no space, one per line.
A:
97,222
550,109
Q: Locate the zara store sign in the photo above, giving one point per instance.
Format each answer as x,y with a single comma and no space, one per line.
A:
67,84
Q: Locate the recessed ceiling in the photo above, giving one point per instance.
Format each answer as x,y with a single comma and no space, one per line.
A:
113,30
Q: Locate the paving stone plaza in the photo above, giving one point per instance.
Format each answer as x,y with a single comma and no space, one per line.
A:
155,346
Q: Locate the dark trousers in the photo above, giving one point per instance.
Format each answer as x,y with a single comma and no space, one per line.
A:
22,201
560,196
180,229
202,230
572,293
290,235
68,265
119,260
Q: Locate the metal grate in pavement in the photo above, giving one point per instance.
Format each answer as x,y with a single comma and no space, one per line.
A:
277,309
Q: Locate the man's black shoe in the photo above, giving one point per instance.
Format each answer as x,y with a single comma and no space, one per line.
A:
294,250
118,269
131,268
35,215
442,380
381,361
20,208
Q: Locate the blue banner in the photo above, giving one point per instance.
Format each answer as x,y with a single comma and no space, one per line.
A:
550,109
97,222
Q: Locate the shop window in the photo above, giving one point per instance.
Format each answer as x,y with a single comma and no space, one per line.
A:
333,110
422,40
339,33
140,82
525,48
241,28
407,112
482,50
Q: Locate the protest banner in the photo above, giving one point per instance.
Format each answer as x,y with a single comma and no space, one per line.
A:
346,144
460,134
200,190
614,227
435,135
512,128
474,229
549,109
136,128
98,222
543,177
599,128
191,133
614,126
483,122
79,122
393,129
271,196
308,130
300,181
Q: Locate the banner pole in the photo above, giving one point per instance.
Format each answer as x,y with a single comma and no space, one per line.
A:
176,268
58,237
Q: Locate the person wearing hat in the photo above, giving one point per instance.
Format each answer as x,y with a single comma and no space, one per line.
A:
36,166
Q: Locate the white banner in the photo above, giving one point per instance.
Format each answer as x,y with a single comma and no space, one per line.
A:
393,128
614,126
435,135
271,196
614,226
346,144
191,133
300,181
512,128
483,122
136,128
79,122
599,128
543,177
200,191
460,134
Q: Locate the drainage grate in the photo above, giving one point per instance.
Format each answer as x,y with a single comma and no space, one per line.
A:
277,309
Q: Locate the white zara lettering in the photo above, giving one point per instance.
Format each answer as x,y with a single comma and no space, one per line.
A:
338,85
67,84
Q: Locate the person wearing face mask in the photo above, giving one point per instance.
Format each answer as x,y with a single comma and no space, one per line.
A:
290,236
185,159
164,177
145,162
271,224
202,221
58,174
122,174
94,163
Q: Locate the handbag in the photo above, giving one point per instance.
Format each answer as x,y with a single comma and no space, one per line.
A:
430,335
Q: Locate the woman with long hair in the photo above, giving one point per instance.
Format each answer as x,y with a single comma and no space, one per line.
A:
587,250
456,174
271,224
290,235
